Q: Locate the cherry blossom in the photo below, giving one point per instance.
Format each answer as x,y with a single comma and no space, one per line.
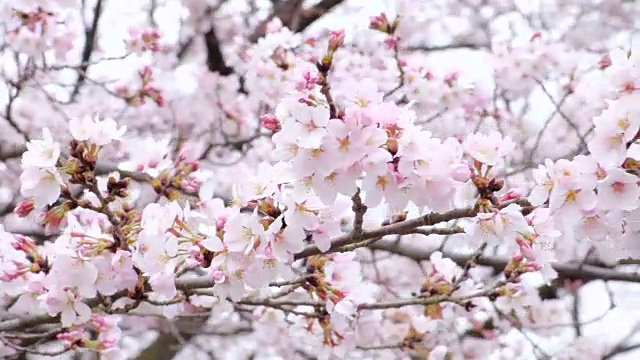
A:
319,180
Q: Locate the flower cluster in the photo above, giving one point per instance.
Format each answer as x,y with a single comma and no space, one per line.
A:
143,40
35,31
333,194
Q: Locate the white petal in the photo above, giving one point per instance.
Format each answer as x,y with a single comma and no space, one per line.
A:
83,310
206,190
346,307
68,316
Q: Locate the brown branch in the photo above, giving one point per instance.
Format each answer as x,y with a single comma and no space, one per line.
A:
620,350
426,300
393,229
91,34
169,343
284,10
575,271
401,74
184,47
215,58
35,320
9,110
622,346
566,270
572,125
14,152
311,15
575,313
293,16
454,46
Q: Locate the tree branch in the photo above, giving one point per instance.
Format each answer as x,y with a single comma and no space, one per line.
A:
215,58
311,15
454,46
293,17
400,228
619,350
168,344
89,46
574,271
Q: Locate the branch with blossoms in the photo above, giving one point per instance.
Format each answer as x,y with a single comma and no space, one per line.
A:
272,233
279,242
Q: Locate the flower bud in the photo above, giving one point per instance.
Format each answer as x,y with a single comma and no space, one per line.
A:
391,42
23,243
336,40
512,194
380,23
604,62
24,208
480,182
460,172
270,122
218,276
52,219
111,183
392,145
496,184
12,270
124,183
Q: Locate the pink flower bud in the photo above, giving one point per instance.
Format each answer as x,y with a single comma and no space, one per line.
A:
24,208
451,78
536,36
146,74
391,42
460,172
218,276
12,270
512,194
380,23
53,219
221,222
100,323
23,243
336,40
528,253
189,185
270,122
604,62
307,83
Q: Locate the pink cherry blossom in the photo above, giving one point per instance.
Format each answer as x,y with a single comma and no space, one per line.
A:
426,185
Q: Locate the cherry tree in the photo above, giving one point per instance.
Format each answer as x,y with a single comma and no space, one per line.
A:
333,179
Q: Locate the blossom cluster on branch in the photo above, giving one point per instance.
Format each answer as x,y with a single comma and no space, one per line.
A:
324,195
